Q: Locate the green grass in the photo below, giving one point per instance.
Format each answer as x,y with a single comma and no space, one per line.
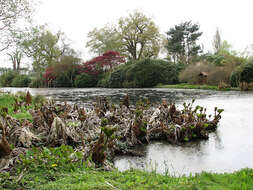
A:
7,100
192,86
93,179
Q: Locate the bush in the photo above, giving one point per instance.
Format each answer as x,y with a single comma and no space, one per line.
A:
85,80
21,81
220,74
191,72
63,73
214,58
243,74
247,73
37,82
62,80
144,73
117,77
235,79
7,78
216,74
104,81
224,59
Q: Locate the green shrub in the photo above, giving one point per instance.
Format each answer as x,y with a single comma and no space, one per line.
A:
62,80
59,158
117,77
37,82
247,73
222,59
235,78
215,58
21,81
85,80
7,78
144,73
104,81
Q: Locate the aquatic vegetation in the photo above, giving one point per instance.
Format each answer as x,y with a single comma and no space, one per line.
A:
105,130
5,148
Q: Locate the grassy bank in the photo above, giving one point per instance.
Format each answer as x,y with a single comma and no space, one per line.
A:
94,179
193,86
15,108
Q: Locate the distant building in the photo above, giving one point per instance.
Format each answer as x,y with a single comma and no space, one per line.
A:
202,78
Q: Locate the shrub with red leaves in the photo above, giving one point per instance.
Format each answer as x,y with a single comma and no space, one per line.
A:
49,74
100,64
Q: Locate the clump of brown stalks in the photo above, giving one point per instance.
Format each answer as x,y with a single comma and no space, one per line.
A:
103,131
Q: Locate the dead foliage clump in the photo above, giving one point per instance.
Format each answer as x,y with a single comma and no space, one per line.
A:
105,130
222,85
244,86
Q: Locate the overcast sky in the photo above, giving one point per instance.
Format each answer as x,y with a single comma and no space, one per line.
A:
77,17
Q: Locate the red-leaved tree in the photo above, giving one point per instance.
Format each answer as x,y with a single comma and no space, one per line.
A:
100,64
49,75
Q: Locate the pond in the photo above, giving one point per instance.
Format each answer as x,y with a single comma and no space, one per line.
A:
230,148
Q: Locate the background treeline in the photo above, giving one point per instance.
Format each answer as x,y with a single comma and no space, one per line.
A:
132,53
134,74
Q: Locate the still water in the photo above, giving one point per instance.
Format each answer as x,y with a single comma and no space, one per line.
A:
230,148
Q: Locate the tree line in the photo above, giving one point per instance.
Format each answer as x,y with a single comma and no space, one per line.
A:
133,39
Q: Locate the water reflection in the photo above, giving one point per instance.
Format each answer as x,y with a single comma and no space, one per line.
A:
228,149
89,95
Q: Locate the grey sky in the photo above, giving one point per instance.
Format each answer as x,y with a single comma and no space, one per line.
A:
77,17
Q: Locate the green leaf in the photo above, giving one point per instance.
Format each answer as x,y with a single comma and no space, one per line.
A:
206,125
220,111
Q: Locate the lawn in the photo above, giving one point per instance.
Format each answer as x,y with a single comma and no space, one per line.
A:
94,179
192,86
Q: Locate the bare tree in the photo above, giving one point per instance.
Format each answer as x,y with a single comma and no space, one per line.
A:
15,57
